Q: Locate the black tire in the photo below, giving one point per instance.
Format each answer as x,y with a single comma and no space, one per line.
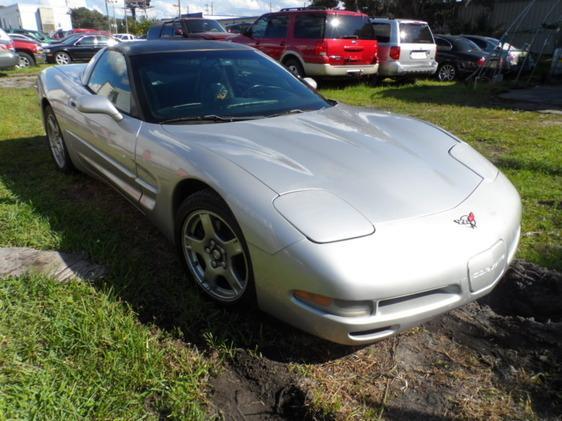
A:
62,58
207,201
25,60
294,66
56,146
446,72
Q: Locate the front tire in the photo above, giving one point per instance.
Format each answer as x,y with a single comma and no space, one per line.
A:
213,249
25,60
59,153
446,72
63,58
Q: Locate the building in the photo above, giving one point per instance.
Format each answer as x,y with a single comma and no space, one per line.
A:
46,16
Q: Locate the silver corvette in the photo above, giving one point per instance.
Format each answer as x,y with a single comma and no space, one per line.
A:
349,223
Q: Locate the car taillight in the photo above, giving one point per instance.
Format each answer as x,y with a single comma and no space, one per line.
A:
394,53
481,61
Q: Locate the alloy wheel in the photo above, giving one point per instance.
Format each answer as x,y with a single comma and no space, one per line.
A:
447,73
23,62
62,58
55,141
215,256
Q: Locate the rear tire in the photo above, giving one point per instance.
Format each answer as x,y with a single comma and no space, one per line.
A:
213,250
446,72
25,60
295,67
55,141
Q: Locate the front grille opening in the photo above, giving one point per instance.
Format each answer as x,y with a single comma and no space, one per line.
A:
374,333
423,300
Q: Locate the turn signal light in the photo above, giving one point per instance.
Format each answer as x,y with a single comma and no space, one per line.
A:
317,299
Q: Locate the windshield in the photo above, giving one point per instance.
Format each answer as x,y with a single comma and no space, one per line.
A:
349,26
415,33
228,84
204,25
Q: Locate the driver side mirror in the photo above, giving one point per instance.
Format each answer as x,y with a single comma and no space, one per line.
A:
97,104
310,82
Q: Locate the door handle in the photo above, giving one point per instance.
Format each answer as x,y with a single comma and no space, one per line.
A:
282,44
72,103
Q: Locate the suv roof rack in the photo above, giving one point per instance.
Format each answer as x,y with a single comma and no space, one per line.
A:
290,9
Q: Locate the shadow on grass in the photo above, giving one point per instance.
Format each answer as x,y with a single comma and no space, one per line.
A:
90,217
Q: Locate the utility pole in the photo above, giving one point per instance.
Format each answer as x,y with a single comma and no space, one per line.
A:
179,8
108,18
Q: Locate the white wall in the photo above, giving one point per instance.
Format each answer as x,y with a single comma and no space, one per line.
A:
27,16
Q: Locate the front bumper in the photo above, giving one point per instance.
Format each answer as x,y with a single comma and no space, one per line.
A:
410,270
395,68
8,60
329,70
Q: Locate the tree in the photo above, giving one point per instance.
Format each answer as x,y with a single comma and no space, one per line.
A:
330,4
86,18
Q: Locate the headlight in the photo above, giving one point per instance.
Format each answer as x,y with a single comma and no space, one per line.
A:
47,50
322,217
467,156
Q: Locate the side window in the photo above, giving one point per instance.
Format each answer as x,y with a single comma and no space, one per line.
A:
178,30
102,40
87,41
110,79
259,27
277,26
382,32
443,44
167,30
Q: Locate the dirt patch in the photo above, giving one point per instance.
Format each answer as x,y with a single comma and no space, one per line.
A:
499,358
253,387
18,82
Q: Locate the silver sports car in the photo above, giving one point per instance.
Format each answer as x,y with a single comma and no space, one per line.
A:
350,223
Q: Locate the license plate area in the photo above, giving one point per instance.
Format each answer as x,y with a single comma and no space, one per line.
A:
418,55
487,267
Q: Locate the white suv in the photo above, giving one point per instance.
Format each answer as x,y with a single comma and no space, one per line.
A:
406,48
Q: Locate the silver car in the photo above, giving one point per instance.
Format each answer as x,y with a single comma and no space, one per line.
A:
349,223
406,48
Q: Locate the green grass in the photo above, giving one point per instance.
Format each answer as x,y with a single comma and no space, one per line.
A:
70,352
526,146
27,71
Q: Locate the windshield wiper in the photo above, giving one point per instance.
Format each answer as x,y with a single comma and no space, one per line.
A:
293,111
213,118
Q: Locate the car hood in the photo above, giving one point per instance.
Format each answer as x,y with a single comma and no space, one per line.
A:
386,166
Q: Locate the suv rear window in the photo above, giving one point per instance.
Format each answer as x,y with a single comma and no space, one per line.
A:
203,25
382,31
415,33
349,26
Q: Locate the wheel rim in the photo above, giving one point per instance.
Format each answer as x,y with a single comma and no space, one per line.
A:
55,141
447,73
62,59
23,62
215,256
294,69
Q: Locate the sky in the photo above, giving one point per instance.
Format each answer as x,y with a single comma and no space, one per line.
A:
168,8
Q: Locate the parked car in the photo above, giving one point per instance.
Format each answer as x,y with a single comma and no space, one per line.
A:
37,35
457,56
238,28
349,223
8,56
59,34
77,48
316,42
511,57
125,37
29,51
406,48
195,28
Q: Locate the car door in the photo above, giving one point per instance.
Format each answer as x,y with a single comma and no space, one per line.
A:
84,49
417,46
108,148
444,51
275,37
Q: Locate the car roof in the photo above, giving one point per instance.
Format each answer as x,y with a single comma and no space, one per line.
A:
422,22
134,48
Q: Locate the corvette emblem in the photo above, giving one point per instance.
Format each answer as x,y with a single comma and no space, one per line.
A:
469,219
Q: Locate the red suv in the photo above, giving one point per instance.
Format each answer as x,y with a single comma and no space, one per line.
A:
30,52
316,42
